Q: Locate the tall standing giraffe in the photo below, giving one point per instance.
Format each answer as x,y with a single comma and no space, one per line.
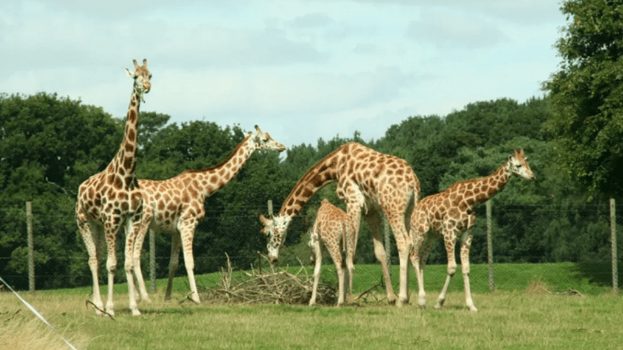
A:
111,198
366,179
333,226
448,213
175,205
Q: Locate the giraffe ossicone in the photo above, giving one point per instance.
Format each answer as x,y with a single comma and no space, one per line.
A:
176,205
448,213
111,198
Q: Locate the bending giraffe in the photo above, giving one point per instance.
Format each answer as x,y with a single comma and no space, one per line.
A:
375,182
333,226
448,213
175,205
111,198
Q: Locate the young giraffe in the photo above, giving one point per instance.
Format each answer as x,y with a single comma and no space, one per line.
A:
175,205
110,199
378,183
332,226
448,213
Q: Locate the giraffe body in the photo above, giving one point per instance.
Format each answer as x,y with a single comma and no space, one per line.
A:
111,199
331,228
367,181
175,205
449,213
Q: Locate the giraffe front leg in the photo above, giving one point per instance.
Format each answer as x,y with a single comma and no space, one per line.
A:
415,257
450,241
465,246
138,272
90,237
111,266
317,254
187,232
132,227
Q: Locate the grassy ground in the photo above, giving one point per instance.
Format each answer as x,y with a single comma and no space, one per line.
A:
510,318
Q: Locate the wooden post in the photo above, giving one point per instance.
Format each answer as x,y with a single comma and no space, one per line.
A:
31,248
388,248
152,260
490,248
613,241
270,207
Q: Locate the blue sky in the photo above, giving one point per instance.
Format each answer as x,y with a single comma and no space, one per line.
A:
301,70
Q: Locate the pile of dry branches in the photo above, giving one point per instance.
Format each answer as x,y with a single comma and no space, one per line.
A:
280,287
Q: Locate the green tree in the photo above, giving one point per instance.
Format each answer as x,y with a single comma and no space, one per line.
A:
49,145
587,95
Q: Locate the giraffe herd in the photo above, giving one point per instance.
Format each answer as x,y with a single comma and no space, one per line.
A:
371,184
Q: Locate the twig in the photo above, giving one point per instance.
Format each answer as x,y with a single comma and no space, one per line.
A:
86,302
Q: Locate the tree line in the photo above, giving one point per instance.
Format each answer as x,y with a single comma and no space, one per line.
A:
571,135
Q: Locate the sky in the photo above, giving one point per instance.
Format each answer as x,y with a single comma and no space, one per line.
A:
301,70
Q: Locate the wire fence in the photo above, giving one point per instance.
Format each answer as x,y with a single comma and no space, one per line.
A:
518,235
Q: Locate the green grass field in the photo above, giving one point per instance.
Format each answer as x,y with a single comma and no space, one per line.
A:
515,316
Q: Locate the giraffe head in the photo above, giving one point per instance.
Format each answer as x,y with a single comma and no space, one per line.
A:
275,230
141,78
263,141
518,164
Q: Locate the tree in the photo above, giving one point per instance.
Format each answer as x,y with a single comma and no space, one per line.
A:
587,95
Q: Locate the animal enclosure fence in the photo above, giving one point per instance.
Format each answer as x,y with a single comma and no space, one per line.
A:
509,237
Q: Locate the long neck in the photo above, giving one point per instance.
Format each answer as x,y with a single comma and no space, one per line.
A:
216,177
492,184
320,175
124,163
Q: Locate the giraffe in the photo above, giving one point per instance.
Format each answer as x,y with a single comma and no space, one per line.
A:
366,179
111,198
448,213
332,226
175,205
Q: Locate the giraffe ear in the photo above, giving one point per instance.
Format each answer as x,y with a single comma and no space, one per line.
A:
130,74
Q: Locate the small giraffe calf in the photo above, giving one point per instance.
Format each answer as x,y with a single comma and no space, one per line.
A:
448,213
332,226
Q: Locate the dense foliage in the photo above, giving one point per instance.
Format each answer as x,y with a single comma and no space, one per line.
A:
587,95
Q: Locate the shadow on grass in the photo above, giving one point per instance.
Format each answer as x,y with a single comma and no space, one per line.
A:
597,273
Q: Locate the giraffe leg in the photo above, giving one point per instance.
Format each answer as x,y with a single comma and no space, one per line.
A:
373,219
315,246
425,250
350,271
465,245
187,232
418,247
403,245
91,240
111,265
173,263
450,241
133,225
336,256
138,247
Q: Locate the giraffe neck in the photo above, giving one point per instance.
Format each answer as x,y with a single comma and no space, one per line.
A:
122,169
216,177
320,175
494,183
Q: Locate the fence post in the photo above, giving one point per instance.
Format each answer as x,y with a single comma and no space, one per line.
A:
270,207
490,248
613,240
152,260
388,248
31,248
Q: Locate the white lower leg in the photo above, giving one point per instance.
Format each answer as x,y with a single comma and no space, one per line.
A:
317,270
442,295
